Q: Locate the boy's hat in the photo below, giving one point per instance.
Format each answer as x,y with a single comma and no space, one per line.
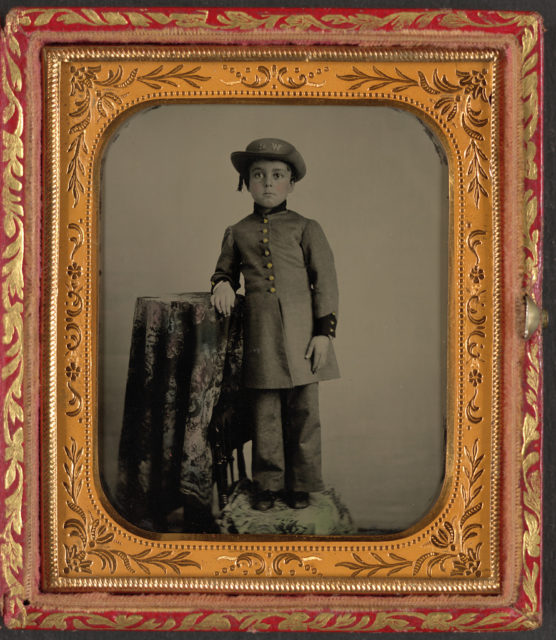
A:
269,149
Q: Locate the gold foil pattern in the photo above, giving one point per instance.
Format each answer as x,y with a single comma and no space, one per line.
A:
452,548
13,292
473,315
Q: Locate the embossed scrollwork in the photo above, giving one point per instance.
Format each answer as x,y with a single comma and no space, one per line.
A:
273,75
73,336
474,343
475,307
73,331
75,301
76,240
468,99
452,550
284,563
91,539
92,94
472,410
243,562
300,563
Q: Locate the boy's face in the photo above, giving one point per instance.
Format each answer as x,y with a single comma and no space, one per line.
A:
270,182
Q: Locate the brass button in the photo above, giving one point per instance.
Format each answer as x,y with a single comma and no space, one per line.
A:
266,252
265,240
332,322
272,290
271,277
265,230
265,220
269,265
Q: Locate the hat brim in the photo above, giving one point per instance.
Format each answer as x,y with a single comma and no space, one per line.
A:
242,160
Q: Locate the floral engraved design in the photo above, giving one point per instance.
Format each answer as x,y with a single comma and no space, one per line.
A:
532,501
74,271
475,377
74,308
476,274
73,371
273,75
398,82
467,98
99,97
73,336
390,566
228,20
468,564
91,538
475,83
452,541
13,366
444,537
76,561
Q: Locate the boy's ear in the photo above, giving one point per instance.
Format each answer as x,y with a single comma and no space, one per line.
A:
292,185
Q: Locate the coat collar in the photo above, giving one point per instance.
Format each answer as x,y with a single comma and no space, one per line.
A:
279,208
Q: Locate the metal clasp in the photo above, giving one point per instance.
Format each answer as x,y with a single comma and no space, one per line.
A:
534,316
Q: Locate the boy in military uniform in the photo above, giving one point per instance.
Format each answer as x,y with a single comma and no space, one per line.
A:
291,305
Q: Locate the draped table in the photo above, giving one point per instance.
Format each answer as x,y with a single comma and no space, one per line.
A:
184,406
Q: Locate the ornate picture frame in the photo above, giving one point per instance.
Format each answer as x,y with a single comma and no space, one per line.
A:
474,79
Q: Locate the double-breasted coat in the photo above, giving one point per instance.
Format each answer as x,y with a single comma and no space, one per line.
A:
291,294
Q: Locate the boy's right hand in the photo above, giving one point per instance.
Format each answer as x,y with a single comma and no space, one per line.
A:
223,298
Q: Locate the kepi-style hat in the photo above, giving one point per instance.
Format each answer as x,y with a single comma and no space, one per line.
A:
269,149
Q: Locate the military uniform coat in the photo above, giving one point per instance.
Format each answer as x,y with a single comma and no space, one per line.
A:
290,288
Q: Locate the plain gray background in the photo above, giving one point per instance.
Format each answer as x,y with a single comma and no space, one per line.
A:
379,188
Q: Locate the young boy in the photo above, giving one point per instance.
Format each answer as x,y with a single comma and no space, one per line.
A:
291,302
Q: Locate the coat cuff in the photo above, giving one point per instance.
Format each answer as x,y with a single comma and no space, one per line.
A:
326,326
218,280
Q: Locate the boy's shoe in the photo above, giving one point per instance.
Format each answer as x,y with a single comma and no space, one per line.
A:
298,499
264,500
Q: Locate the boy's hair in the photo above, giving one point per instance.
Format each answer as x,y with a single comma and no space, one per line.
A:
244,180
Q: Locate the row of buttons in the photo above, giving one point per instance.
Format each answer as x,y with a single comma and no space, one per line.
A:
266,253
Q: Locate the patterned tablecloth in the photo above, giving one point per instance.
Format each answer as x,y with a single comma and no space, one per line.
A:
183,382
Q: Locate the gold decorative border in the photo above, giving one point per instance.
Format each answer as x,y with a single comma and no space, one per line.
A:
107,82
531,429
270,620
272,21
11,548
508,619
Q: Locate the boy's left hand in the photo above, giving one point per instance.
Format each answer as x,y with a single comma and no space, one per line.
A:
318,352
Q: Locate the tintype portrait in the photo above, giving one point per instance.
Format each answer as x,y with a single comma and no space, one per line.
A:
373,184
208,213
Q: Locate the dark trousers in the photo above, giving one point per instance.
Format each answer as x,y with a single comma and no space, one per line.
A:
286,439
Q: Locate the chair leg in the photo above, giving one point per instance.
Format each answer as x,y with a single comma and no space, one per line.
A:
241,463
220,470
